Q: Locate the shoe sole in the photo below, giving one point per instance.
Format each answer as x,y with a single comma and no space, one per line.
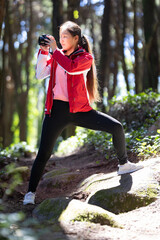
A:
125,172
25,203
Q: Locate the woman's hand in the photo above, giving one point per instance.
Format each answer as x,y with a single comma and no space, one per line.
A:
52,42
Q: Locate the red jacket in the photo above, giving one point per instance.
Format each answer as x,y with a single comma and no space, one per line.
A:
76,67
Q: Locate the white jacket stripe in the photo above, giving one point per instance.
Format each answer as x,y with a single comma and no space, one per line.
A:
75,73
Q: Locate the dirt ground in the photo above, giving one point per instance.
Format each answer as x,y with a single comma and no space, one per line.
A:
83,161
143,223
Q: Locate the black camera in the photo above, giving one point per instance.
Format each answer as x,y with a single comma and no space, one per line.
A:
42,40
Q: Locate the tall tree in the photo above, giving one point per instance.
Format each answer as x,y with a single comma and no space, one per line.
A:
2,16
16,67
72,7
22,84
138,82
104,49
2,13
151,60
57,17
124,22
7,94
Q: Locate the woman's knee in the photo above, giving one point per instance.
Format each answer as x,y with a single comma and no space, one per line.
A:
118,127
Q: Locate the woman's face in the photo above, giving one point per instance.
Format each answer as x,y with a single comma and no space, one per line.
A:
68,42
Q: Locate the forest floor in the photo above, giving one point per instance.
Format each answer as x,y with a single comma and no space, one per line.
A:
140,223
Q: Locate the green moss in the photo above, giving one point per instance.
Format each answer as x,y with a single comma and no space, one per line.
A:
50,209
102,219
55,173
151,192
121,202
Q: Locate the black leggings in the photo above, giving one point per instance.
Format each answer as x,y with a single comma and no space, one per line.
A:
60,118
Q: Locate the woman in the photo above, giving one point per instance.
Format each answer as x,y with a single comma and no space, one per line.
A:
72,88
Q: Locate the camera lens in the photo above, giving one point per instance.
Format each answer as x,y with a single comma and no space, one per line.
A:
41,40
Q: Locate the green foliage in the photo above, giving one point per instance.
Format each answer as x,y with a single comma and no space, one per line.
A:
15,128
72,143
137,110
33,114
9,225
13,179
17,150
86,137
15,226
137,113
10,175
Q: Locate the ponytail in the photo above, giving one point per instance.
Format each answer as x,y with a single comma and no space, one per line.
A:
92,82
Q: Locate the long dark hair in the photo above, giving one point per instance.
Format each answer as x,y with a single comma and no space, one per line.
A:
92,82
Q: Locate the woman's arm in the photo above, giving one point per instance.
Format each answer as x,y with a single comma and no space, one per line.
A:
43,66
79,65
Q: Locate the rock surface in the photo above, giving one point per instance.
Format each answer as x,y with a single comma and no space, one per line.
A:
124,195
78,211
50,209
59,180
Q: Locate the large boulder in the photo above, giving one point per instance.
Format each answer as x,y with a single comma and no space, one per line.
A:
58,179
78,211
65,212
50,209
124,193
55,172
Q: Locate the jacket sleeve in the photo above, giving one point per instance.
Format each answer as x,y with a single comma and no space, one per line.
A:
43,66
79,65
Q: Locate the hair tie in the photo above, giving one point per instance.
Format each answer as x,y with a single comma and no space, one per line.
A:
83,40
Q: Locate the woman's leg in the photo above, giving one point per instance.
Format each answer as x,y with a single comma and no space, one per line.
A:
99,121
51,129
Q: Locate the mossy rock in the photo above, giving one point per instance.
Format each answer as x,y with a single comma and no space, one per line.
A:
119,194
55,172
50,209
59,181
84,212
121,202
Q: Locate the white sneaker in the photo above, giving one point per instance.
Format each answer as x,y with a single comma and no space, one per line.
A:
29,198
129,168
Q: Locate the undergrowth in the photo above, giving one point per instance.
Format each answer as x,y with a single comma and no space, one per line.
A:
137,113
15,151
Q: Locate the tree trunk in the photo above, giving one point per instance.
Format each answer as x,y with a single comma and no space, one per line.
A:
23,96
57,17
17,58
72,6
124,66
7,95
104,48
2,14
138,84
22,113
8,113
115,73
151,60
92,28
